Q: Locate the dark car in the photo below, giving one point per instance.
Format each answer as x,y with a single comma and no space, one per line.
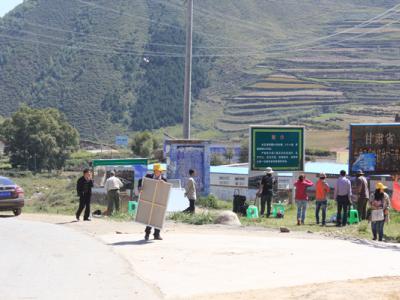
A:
11,196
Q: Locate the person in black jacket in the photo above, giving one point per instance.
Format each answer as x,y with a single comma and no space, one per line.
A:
84,190
266,191
157,175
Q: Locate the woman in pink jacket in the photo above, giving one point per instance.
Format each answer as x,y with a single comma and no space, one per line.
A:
302,198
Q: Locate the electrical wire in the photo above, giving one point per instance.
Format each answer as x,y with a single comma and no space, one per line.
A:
132,53
107,38
150,20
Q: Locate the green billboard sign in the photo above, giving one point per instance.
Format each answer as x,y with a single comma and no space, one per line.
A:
281,148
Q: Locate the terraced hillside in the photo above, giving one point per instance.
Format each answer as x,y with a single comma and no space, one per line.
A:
277,99
352,77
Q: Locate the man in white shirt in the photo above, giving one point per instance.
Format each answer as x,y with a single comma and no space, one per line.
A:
112,186
190,192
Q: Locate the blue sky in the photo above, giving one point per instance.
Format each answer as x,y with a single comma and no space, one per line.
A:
7,5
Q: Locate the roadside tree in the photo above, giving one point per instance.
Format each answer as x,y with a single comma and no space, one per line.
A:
144,144
39,139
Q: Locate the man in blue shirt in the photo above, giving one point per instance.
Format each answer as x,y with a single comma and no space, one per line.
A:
342,196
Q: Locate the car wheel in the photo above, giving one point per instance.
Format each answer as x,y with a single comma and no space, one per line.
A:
17,211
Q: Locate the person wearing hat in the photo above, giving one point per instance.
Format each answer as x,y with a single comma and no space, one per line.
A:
157,175
362,194
321,196
266,191
113,185
379,203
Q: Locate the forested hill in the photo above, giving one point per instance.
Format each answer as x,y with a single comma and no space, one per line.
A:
118,65
98,63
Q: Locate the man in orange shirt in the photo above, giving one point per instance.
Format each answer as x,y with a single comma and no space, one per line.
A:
321,195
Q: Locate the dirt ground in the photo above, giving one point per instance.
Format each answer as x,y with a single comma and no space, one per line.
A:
218,262
387,288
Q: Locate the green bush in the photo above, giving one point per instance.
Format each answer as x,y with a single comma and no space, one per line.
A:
212,201
208,202
194,219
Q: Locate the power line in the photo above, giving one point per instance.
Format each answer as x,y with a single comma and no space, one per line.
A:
131,53
150,20
110,51
381,16
221,17
107,38
124,50
357,36
121,49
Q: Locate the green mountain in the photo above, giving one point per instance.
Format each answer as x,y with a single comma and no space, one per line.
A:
118,66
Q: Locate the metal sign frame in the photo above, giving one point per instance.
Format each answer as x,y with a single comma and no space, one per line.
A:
351,146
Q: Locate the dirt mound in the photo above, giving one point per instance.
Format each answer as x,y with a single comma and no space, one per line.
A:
227,218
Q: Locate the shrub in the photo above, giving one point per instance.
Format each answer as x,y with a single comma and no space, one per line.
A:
194,219
208,202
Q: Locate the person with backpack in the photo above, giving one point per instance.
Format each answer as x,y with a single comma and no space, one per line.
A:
301,197
266,191
362,194
321,196
379,203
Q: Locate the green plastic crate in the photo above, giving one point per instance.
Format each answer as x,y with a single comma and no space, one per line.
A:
132,207
276,208
252,212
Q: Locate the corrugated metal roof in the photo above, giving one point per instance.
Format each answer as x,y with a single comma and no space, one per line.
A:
310,167
326,167
229,170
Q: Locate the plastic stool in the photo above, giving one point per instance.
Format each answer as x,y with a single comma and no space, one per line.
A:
278,208
353,216
252,212
132,207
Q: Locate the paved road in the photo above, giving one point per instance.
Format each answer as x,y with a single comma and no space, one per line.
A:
203,262
46,261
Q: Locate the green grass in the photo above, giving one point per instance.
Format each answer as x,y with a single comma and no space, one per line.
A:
56,194
194,219
324,117
213,202
361,230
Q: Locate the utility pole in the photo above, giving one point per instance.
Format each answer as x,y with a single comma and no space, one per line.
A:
188,71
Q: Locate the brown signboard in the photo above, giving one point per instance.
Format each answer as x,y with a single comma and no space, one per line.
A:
375,148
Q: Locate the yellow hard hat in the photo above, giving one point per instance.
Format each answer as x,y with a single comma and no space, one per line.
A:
158,167
380,186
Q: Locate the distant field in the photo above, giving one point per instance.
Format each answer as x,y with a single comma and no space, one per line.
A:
270,85
283,79
361,81
327,139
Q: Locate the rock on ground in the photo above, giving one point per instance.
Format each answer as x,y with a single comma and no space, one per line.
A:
227,218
